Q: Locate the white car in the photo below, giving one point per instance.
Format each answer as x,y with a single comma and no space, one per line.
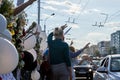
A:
109,68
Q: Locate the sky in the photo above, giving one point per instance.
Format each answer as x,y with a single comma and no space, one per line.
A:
87,15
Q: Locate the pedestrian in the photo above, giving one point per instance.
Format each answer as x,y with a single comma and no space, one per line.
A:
45,71
73,55
59,55
85,60
17,10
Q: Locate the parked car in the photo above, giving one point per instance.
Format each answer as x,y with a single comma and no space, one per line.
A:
83,71
109,68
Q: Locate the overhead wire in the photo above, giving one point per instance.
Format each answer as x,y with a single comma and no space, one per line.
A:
83,9
114,15
76,8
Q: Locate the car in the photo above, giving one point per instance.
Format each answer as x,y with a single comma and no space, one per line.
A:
109,68
96,62
85,71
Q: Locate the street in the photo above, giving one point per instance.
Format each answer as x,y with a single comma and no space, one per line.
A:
85,78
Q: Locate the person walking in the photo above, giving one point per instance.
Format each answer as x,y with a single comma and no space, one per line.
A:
73,55
59,55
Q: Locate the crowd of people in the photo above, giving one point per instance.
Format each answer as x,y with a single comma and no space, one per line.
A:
59,56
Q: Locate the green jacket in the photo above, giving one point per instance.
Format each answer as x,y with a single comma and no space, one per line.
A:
59,51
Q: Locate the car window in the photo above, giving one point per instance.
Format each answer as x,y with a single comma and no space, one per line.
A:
106,62
102,62
115,64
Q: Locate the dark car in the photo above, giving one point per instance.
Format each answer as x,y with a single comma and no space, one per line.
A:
96,63
83,71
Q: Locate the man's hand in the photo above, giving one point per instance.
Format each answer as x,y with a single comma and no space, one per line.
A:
71,43
64,26
86,46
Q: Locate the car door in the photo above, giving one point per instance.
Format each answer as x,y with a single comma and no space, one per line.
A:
99,75
106,66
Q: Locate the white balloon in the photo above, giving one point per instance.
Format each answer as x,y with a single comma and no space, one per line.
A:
6,34
3,23
30,42
35,75
33,52
8,56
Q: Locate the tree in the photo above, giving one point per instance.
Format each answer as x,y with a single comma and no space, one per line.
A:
97,54
113,50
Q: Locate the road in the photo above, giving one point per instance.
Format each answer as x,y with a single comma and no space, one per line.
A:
85,78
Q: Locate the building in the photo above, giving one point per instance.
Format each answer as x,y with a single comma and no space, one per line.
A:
93,49
115,40
104,47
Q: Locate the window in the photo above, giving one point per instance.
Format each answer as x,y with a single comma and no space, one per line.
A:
102,62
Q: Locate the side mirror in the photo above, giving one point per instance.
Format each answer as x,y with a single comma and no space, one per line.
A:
102,70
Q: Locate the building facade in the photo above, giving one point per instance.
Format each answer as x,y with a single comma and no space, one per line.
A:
115,40
104,47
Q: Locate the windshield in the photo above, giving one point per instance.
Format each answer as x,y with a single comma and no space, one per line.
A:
96,62
115,64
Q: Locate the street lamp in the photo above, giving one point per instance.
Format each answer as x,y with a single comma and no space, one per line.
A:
46,20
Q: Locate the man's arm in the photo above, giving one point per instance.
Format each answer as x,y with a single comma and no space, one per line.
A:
20,8
75,54
49,39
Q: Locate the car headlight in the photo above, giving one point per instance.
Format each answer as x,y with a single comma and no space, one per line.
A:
90,70
74,70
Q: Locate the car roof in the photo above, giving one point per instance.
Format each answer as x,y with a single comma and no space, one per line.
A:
114,55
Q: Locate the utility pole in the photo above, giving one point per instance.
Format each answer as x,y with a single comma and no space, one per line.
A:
38,12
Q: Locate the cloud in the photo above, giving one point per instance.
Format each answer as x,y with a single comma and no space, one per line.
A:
89,11
93,38
96,37
67,6
50,8
43,16
72,10
113,24
53,2
95,10
34,15
73,25
60,3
